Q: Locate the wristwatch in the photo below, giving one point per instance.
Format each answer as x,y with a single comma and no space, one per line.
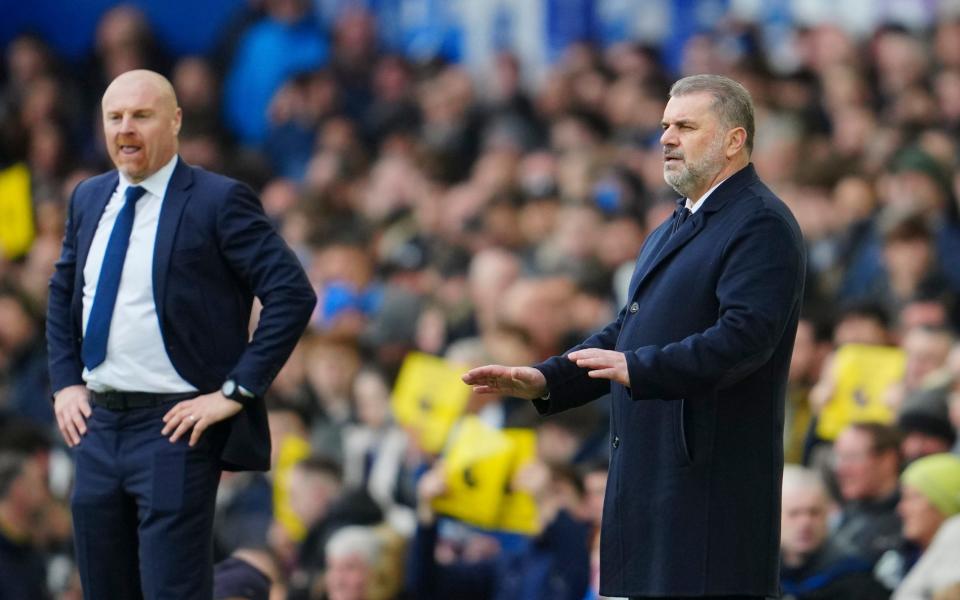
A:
233,390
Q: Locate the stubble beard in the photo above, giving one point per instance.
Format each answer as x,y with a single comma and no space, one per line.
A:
694,175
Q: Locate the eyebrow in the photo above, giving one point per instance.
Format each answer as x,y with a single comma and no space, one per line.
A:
136,111
678,122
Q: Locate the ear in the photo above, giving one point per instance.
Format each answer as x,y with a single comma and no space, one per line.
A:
736,140
177,121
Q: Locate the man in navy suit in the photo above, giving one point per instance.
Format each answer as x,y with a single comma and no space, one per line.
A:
696,365
157,382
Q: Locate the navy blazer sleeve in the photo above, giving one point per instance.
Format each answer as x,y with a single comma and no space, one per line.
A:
568,384
63,343
260,257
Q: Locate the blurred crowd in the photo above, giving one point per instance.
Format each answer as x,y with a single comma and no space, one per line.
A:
497,219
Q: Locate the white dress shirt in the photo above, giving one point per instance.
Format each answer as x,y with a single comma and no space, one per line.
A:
695,206
136,359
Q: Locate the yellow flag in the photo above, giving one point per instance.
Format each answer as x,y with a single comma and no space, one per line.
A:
16,211
863,375
428,398
477,464
291,450
518,512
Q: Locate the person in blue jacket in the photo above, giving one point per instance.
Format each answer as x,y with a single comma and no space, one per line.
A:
554,565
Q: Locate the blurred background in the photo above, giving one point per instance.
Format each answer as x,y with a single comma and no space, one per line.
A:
472,181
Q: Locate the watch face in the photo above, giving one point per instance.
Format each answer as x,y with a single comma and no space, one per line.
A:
229,387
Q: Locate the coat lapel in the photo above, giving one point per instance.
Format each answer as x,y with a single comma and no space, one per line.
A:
694,225
687,232
178,192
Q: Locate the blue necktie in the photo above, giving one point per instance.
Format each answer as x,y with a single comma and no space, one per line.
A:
94,349
680,217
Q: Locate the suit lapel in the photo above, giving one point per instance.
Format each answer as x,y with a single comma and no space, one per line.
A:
693,225
178,192
100,197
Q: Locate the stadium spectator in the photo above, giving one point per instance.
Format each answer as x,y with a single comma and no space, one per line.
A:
23,358
23,493
867,467
495,210
812,565
553,565
930,496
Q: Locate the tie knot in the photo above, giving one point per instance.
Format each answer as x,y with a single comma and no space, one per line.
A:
134,193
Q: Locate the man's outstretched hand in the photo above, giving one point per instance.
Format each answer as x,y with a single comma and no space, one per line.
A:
519,382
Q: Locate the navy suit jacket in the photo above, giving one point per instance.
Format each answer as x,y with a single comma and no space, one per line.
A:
693,496
215,251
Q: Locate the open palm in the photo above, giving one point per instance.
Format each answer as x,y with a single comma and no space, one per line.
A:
521,382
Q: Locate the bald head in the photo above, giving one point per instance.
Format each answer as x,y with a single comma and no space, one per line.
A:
143,78
141,121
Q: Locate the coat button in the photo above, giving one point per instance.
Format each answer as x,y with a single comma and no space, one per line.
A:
616,441
634,307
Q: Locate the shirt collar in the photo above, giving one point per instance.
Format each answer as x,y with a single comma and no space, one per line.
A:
156,184
694,207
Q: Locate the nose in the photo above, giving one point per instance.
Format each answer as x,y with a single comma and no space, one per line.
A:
126,124
668,137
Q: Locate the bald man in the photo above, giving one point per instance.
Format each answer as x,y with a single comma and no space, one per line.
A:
158,386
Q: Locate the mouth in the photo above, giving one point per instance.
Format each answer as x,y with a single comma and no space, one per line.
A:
128,149
672,160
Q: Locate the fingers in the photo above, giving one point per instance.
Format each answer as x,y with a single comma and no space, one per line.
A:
179,420
591,353
175,413
484,375
79,422
71,420
85,409
198,428
179,425
485,389
603,374
68,430
594,358
595,363
602,364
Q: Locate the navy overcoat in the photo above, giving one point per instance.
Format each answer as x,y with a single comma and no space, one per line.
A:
693,496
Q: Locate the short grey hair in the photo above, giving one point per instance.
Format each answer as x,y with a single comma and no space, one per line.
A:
797,477
731,101
356,540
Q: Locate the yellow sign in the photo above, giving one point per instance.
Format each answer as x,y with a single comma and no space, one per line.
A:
16,211
518,512
291,450
428,398
477,466
864,374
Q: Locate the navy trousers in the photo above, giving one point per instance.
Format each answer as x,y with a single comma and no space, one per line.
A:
143,508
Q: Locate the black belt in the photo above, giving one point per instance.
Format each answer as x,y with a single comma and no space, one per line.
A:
130,400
